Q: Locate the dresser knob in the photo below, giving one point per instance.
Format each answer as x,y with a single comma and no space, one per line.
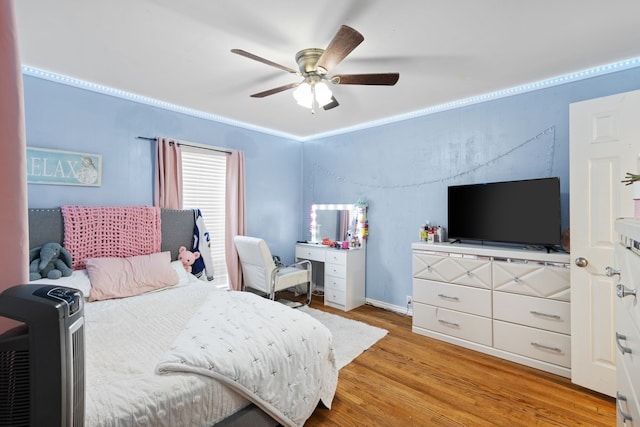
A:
621,347
551,316
619,399
610,271
546,347
622,291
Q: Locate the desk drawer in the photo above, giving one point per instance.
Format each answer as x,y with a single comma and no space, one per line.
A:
531,342
335,270
335,296
310,253
335,283
454,323
336,257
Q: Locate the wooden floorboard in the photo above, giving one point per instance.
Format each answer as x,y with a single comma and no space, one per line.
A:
406,379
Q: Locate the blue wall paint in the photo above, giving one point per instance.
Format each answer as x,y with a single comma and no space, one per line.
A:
68,118
402,169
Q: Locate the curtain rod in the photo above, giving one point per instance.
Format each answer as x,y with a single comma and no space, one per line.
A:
190,144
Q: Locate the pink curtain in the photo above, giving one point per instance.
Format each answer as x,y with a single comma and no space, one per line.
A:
168,185
14,226
235,216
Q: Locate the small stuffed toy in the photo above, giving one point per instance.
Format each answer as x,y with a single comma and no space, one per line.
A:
187,258
50,260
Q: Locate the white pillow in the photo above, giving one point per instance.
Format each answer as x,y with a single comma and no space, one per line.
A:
79,279
183,275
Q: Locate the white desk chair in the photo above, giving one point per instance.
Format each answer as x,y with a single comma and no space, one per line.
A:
260,272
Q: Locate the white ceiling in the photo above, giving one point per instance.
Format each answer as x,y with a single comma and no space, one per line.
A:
179,51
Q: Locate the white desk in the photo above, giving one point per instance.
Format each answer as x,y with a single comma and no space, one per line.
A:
344,273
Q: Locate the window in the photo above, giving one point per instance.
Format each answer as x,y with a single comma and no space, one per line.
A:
204,183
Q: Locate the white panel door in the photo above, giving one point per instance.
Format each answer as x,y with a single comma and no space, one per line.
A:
604,145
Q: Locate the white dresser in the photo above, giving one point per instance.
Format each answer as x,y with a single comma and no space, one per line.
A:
509,303
627,256
344,273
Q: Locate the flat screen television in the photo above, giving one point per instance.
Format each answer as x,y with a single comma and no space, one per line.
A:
520,212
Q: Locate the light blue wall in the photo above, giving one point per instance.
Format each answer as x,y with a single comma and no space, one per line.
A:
68,118
403,169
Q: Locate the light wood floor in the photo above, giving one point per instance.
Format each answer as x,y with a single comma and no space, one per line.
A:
407,379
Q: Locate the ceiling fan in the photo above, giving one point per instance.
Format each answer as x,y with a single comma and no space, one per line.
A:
314,65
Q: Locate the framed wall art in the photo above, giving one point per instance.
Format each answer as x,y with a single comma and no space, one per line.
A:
57,167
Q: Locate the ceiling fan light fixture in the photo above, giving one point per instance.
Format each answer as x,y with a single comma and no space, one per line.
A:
323,93
308,94
303,95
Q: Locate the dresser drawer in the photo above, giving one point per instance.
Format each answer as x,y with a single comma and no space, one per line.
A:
629,265
310,253
452,269
335,296
548,314
454,297
532,278
336,283
627,343
538,344
454,323
626,399
336,257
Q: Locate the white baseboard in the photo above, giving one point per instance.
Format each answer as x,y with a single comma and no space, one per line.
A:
395,308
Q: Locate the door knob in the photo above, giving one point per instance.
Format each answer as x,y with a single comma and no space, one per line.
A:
582,262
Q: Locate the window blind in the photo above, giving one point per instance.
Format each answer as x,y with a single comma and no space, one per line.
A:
204,183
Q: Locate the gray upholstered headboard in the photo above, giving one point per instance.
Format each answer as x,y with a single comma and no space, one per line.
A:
46,225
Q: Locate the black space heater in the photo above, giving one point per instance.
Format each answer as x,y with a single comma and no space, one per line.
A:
42,359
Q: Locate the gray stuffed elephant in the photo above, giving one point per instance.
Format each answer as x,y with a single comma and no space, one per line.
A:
50,260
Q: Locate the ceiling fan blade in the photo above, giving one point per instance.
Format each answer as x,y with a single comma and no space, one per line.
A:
275,90
345,40
383,79
264,61
332,104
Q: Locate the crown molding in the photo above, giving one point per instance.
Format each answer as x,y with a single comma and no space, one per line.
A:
517,90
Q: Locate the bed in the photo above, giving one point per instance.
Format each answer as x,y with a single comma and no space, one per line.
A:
191,354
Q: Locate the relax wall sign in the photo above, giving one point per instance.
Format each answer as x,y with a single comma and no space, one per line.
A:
46,166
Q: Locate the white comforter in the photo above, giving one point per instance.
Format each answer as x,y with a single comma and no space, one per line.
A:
279,358
125,340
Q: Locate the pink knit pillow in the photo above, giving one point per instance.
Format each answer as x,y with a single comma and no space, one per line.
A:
110,231
125,277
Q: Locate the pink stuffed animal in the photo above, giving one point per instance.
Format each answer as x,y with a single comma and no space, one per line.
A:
187,258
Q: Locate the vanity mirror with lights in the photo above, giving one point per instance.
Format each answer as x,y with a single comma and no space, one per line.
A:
334,222
338,269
